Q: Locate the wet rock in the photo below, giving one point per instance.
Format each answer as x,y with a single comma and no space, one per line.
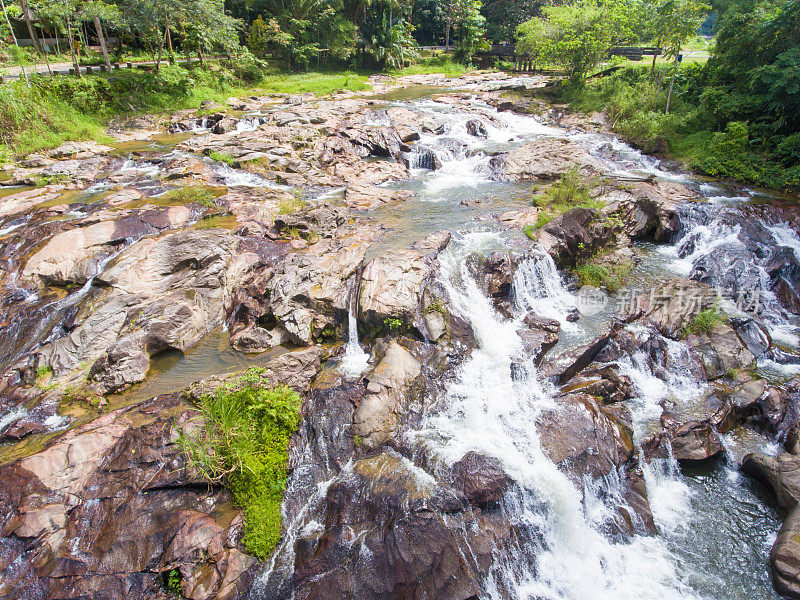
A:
375,141
495,273
476,128
539,337
544,159
481,479
573,236
225,125
434,243
585,439
108,507
401,534
781,474
162,293
755,337
424,158
362,196
720,351
783,269
405,122
785,557
376,418
694,441
392,286
646,211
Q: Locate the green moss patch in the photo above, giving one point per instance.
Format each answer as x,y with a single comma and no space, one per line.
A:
243,441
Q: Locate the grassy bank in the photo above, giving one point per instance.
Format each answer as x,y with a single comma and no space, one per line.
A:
51,111
635,103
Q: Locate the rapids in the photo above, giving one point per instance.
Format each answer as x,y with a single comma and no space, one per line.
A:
714,526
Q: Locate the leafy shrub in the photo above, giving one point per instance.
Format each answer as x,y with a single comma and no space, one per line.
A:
243,441
570,191
789,149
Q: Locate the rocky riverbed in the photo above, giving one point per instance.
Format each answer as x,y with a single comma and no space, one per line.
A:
474,425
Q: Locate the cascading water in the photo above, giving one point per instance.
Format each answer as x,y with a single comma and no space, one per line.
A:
354,361
538,287
495,414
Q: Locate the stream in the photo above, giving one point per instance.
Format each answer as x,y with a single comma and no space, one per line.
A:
715,526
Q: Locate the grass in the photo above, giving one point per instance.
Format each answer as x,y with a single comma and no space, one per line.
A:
610,277
635,104
192,194
243,441
291,205
319,84
705,322
570,191
432,65
223,157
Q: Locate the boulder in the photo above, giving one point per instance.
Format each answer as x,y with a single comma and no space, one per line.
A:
495,273
785,557
392,287
588,440
399,534
781,474
720,351
574,236
376,418
694,441
545,159
481,479
476,128
107,509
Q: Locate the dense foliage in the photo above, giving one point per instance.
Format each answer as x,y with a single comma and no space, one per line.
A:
738,115
243,440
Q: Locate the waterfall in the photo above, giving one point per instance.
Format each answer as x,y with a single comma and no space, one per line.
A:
355,361
560,523
537,286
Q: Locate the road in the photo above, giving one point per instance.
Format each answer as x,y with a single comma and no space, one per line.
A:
63,68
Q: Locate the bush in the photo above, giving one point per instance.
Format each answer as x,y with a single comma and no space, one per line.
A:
570,191
243,441
612,278
706,321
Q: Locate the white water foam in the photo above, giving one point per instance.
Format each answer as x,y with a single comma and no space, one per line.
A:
492,413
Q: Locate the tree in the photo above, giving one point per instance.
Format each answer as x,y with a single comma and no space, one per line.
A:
300,30
470,26
578,36
677,21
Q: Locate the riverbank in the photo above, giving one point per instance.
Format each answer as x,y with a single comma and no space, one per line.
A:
45,112
635,101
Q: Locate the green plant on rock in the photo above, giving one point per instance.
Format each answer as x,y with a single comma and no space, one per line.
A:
570,191
705,321
243,441
192,194
172,582
223,157
393,323
289,205
610,277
